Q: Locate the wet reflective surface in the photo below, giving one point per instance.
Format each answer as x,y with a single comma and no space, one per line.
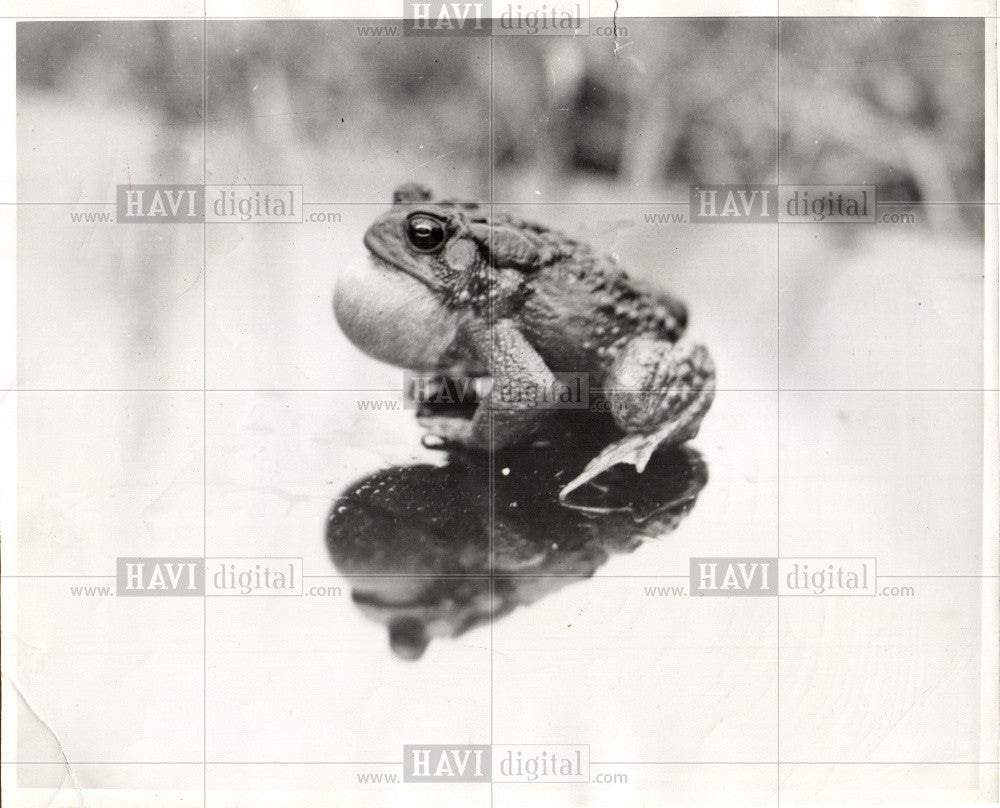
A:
433,551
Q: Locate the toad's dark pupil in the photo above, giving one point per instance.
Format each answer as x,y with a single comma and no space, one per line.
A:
425,233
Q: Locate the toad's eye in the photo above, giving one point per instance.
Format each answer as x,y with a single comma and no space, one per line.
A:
425,233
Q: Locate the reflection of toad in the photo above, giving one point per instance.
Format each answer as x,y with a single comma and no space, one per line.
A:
426,529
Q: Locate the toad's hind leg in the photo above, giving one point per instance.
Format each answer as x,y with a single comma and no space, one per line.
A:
659,393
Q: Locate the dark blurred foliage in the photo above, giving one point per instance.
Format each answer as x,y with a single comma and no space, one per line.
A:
386,86
894,102
899,103
676,101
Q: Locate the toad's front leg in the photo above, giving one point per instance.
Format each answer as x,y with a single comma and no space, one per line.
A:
510,412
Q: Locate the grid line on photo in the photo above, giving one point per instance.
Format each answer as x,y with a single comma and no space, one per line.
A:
507,575
491,464
228,17
393,390
777,359
678,762
204,398
533,203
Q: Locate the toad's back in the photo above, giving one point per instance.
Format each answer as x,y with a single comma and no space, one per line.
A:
579,313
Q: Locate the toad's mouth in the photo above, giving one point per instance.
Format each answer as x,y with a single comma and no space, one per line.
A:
379,262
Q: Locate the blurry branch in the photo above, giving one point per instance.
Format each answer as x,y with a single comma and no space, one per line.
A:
652,133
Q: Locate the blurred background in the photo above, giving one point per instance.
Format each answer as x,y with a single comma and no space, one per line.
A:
666,103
